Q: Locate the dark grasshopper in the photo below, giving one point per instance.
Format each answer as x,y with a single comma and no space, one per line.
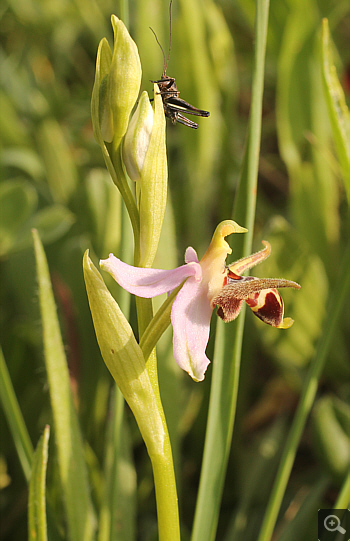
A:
173,105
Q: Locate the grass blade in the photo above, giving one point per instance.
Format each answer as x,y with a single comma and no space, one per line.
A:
303,525
118,510
343,500
223,398
72,466
307,398
37,505
15,419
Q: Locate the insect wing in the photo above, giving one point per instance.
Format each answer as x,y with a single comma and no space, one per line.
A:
179,104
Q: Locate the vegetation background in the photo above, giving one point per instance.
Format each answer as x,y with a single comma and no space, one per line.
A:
53,178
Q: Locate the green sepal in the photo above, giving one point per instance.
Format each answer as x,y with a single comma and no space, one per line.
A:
124,358
153,186
102,121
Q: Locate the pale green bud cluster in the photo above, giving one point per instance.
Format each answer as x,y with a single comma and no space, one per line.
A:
117,84
133,145
140,141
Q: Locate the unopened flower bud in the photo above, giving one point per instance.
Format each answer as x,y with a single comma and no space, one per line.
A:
124,78
137,138
117,84
153,186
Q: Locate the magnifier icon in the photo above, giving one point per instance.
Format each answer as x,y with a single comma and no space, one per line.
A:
332,524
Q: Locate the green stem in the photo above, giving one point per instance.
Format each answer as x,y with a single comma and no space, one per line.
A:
307,398
163,469
162,462
115,168
166,495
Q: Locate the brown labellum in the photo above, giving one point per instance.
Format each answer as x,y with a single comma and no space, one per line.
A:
259,293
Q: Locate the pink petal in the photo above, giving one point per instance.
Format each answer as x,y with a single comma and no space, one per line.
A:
149,282
190,317
191,255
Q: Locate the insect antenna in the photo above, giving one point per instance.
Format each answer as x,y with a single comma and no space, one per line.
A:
161,48
167,60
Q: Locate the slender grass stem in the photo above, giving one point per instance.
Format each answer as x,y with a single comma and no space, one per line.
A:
335,307
343,500
227,355
15,419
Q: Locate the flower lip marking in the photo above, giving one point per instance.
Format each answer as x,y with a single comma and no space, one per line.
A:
174,106
260,294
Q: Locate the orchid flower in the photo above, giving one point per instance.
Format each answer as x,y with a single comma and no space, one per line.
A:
207,283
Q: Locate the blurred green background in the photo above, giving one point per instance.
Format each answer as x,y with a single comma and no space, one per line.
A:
53,178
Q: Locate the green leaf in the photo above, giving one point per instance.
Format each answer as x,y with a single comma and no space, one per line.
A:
124,359
61,171
53,222
25,159
71,461
18,200
12,128
37,506
337,108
